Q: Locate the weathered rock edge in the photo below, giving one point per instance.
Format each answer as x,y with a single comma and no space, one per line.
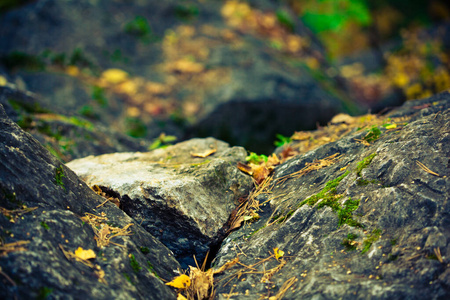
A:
379,230
38,267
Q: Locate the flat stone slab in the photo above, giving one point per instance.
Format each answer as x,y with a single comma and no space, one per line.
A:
176,194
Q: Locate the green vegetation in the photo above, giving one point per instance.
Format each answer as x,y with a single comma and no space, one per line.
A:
128,278
22,60
43,224
364,163
285,19
186,12
345,213
327,194
134,264
282,140
331,15
255,158
372,134
349,242
162,141
144,250
135,127
59,174
152,270
98,94
44,293
370,239
140,28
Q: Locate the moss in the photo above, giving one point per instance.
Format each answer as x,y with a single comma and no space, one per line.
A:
349,242
98,94
134,264
364,163
345,213
373,134
186,12
128,278
144,250
44,225
59,174
152,270
370,239
364,182
44,293
328,193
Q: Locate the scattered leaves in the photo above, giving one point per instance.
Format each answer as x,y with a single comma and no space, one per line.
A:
12,247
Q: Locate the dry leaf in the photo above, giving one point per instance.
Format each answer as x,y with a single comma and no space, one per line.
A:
278,253
181,297
260,173
204,153
85,254
244,168
180,282
114,76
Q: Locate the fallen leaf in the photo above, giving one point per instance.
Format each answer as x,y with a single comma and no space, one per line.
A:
114,76
181,297
244,168
278,253
85,254
260,173
204,153
391,126
180,282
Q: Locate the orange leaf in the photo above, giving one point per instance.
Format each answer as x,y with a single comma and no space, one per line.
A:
204,153
244,168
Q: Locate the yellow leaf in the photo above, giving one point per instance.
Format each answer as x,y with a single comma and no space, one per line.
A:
85,254
180,282
391,126
114,76
181,297
278,253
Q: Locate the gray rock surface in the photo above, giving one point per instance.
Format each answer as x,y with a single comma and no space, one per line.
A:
371,225
42,203
182,200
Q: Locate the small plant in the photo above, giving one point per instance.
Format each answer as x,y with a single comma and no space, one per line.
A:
128,278
282,140
134,264
44,292
372,134
162,141
371,238
59,174
255,158
349,242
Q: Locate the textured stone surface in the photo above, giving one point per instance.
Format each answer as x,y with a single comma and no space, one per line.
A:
400,229
32,262
182,200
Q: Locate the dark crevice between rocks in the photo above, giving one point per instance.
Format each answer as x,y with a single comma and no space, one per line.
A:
165,225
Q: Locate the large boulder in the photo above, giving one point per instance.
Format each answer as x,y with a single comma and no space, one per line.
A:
362,217
232,70
47,213
183,194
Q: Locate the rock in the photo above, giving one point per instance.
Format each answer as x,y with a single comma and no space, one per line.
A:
47,213
178,196
66,135
371,223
